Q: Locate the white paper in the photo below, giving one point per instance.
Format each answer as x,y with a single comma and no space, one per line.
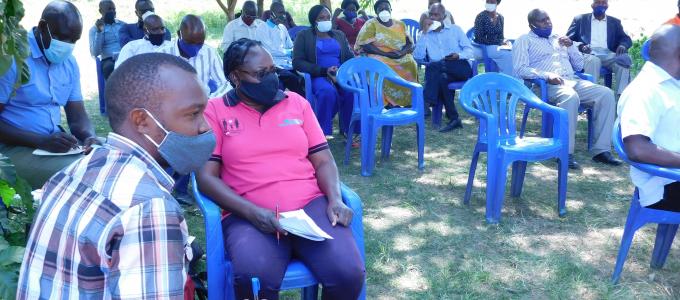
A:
41,152
505,47
299,223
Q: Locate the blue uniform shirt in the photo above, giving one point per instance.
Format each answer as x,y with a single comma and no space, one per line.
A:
36,106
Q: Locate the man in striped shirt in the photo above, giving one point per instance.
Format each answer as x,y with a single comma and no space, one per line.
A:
107,226
543,55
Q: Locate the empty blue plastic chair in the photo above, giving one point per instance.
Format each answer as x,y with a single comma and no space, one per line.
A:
545,119
294,31
639,215
220,273
364,77
100,85
493,98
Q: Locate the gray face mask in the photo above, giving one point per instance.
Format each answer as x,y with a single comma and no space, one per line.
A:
184,153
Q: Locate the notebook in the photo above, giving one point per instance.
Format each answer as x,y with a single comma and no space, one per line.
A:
299,223
41,152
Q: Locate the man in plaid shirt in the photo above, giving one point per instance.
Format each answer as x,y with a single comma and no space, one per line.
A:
108,226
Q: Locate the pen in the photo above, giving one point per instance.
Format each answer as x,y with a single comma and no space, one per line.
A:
278,235
64,131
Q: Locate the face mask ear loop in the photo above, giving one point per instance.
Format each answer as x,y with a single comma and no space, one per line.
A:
159,125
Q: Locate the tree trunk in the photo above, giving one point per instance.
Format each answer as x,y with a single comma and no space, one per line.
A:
327,3
260,7
228,9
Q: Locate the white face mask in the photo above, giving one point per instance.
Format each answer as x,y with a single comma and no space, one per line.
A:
385,16
324,26
435,25
491,7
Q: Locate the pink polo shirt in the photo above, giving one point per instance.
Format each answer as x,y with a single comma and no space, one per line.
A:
265,156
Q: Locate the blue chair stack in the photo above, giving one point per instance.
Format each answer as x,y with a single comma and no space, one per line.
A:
220,273
364,77
493,99
100,85
638,215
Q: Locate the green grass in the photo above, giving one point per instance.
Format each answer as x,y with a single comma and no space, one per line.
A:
422,242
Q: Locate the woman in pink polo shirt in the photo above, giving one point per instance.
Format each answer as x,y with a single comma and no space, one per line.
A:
271,153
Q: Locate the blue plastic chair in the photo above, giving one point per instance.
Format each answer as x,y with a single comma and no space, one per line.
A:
546,130
413,29
100,85
220,273
364,77
294,31
644,51
489,64
493,98
308,91
639,215
453,86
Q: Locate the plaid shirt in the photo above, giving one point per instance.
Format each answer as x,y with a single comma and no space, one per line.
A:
107,228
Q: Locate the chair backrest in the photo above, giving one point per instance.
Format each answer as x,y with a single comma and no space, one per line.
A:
617,142
365,77
294,31
412,27
644,51
471,34
493,97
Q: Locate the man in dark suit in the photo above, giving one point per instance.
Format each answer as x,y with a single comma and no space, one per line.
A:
604,42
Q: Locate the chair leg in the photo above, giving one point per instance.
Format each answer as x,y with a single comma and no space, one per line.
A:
386,142
517,179
591,130
626,239
368,151
421,144
524,121
665,233
310,292
471,176
562,176
348,145
499,193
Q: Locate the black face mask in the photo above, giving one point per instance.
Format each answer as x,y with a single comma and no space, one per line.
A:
110,17
156,39
264,92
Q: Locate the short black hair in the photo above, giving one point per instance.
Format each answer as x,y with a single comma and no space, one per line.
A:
236,54
375,6
314,13
135,84
275,5
533,15
346,3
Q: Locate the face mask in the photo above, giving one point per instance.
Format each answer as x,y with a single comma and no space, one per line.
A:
544,33
435,25
385,16
263,92
190,50
156,39
184,153
271,23
491,7
350,15
58,51
324,26
110,17
599,10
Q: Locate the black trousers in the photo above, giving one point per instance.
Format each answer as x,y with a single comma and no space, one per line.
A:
438,75
292,81
107,67
671,198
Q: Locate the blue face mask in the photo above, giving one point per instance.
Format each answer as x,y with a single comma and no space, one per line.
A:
599,10
542,32
190,50
184,153
58,51
350,15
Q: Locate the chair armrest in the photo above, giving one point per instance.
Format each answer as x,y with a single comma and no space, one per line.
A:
416,90
585,76
352,200
655,170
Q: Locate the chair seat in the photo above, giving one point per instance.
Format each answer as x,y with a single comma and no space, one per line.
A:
533,145
395,115
297,276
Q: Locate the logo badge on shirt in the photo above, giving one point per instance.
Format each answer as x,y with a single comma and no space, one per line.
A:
232,126
289,122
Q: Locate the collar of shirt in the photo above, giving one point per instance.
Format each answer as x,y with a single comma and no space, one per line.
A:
256,23
125,145
592,18
657,74
552,36
33,44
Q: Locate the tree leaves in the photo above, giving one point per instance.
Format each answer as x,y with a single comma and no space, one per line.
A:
13,40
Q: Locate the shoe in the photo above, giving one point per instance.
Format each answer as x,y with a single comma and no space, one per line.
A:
607,158
455,124
573,165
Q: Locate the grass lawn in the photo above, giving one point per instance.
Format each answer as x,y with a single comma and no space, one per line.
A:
422,242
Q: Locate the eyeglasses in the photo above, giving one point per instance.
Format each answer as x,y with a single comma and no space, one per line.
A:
261,73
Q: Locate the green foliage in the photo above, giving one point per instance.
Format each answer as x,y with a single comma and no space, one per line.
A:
366,4
13,39
214,22
636,54
10,263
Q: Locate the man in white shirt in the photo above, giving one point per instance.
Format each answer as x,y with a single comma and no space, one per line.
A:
602,39
649,111
192,48
246,26
154,38
275,39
